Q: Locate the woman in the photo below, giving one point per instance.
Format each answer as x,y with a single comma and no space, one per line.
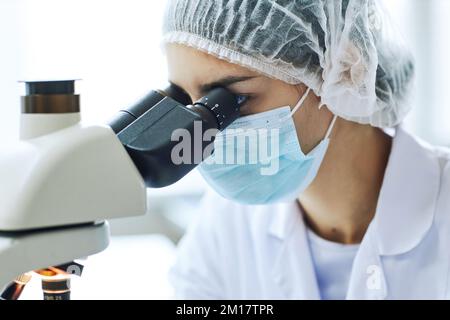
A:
358,208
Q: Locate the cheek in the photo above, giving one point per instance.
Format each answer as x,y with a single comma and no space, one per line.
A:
311,123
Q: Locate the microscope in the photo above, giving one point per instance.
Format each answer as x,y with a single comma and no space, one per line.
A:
63,179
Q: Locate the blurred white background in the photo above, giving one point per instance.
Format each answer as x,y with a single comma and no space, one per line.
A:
114,46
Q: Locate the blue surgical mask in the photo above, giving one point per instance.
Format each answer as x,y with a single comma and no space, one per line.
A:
258,159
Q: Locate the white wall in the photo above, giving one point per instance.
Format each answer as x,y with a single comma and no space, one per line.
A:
10,56
112,45
425,25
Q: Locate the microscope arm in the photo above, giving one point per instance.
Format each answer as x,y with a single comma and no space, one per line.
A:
20,253
80,174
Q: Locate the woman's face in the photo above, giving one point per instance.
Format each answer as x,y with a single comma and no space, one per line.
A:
197,72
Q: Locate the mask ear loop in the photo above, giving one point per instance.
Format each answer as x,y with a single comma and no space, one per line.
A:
330,128
300,102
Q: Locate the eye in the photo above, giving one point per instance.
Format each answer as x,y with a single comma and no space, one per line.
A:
244,109
242,99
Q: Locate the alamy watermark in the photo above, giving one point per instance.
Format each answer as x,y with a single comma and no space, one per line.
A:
253,146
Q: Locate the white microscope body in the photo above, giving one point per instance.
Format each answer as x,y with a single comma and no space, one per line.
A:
62,180
58,185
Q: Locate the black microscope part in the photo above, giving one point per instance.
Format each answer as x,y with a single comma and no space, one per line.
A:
178,94
70,267
147,134
56,289
223,104
50,87
12,291
126,116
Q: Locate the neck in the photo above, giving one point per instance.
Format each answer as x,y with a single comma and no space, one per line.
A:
341,202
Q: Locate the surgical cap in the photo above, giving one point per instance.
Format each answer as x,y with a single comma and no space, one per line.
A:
347,51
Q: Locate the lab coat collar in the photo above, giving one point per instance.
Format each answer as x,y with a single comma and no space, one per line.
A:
282,221
407,199
293,272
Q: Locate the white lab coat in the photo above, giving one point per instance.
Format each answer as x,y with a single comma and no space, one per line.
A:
261,252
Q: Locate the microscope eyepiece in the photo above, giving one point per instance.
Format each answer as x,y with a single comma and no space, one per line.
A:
223,104
50,87
150,130
50,97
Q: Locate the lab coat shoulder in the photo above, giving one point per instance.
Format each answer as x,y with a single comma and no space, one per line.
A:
442,216
440,229
209,261
442,209
425,183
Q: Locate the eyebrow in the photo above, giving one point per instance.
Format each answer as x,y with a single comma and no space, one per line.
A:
223,82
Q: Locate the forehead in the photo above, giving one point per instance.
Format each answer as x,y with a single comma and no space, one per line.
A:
190,68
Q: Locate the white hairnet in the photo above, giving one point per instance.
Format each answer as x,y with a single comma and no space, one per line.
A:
345,50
